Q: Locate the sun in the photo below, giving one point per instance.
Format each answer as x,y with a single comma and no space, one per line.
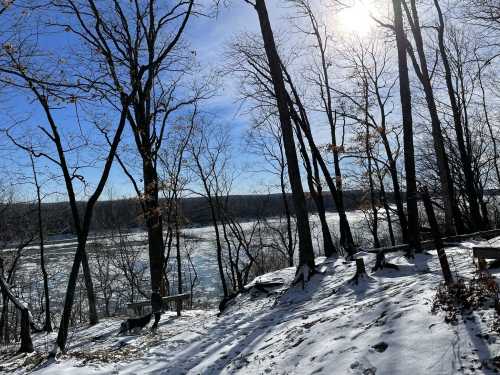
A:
356,19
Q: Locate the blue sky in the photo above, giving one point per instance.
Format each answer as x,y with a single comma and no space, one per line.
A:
207,35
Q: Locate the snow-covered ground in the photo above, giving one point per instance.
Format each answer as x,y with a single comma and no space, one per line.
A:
384,325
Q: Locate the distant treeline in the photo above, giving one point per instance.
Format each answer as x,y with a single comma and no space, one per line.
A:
126,213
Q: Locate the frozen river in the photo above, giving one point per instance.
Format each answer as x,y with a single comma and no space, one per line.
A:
60,252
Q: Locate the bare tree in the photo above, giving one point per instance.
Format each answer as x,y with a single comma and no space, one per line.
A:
15,236
306,253
406,108
265,140
322,81
368,65
23,74
173,186
41,238
140,43
208,153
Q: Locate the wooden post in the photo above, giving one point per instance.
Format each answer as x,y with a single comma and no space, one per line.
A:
360,271
178,307
483,266
443,259
360,266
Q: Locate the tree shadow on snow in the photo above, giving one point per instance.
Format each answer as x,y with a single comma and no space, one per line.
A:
242,334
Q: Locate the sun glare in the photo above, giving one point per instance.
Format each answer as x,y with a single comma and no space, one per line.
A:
356,19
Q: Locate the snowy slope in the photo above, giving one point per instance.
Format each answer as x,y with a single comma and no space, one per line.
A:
381,326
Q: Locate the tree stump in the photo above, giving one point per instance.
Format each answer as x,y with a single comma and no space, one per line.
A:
382,263
360,271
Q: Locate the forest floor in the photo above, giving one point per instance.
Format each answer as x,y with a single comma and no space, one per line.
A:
383,325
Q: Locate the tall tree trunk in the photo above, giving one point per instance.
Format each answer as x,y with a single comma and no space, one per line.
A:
4,320
345,230
314,183
452,213
329,246
219,254
392,166
393,171
83,229
302,120
383,199
465,157
178,258
306,252
47,324
409,153
153,223
443,259
288,217
89,286
62,334
488,124
26,343
373,203
233,266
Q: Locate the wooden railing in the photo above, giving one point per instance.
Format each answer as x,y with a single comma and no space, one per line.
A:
137,308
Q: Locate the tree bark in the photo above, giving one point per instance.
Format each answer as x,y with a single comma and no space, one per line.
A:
328,245
4,320
409,153
153,223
